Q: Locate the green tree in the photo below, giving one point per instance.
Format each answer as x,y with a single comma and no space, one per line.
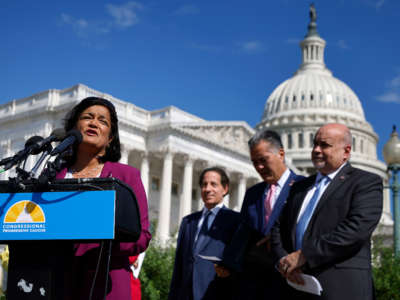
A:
386,271
155,275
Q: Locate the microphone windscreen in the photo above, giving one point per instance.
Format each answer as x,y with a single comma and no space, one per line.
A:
77,134
58,134
32,141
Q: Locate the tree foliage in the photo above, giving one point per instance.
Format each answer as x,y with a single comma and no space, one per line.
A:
155,275
386,271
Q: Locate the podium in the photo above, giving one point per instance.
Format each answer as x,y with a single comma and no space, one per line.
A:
42,222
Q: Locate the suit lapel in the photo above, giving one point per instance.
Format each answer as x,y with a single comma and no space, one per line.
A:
296,204
260,207
193,227
280,202
339,179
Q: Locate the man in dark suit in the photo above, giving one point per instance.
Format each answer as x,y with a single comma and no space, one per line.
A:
205,233
249,253
326,225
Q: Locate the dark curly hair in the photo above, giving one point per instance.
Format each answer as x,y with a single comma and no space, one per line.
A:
113,150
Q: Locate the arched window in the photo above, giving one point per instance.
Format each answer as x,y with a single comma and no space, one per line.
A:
311,140
278,104
362,146
289,141
301,140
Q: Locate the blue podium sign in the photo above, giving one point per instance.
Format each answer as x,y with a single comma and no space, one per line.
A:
57,215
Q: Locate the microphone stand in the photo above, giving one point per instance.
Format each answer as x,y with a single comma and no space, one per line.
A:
54,167
22,175
46,152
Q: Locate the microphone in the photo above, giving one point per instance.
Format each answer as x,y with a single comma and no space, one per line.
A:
53,167
32,144
5,160
72,137
31,147
56,135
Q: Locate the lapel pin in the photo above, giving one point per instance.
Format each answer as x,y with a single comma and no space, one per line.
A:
342,177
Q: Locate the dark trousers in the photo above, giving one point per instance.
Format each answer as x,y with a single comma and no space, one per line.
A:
255,283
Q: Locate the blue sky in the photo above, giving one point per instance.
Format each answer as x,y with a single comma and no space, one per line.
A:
217,59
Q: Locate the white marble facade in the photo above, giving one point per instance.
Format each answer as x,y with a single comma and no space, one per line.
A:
169,146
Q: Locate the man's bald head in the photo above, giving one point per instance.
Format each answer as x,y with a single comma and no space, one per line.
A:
341,130
332,147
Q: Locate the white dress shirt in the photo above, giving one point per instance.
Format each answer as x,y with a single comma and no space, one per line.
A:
311,191
214,212
279,185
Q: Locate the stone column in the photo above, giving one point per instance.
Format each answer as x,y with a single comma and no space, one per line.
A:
201,164
144,172
185,206
226,199
295,139
124,155
241,191
284,140
165,199
200,203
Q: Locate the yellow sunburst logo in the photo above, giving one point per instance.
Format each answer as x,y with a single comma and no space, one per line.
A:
24,212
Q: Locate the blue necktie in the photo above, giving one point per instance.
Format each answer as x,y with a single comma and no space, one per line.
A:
202,233
308,212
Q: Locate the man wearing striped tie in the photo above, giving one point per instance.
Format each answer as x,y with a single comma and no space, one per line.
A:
326,226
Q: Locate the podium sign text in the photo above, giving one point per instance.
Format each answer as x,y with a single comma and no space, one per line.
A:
57,215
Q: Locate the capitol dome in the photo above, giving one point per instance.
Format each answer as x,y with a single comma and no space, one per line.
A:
307,92
311,98
313,87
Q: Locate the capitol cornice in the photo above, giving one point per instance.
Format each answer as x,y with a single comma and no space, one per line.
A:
26,115
129,125
207,133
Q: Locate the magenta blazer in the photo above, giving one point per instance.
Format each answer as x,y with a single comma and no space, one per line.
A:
86,255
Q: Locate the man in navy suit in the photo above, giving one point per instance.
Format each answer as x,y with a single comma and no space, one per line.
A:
325,228
249,253
205,233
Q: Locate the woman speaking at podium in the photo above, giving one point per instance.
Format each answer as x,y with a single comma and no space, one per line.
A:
97,156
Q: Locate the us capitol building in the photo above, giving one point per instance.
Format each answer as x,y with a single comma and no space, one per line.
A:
171,147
